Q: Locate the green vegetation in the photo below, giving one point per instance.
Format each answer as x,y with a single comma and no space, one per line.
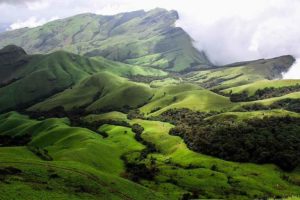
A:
138,38
241,73
139,113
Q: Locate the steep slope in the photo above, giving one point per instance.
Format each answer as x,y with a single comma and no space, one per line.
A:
26,79
242,73
141,38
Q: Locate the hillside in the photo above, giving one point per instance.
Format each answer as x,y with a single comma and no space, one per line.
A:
242,73
124,107
138,38
28,79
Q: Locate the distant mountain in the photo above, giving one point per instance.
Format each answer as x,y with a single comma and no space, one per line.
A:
139,37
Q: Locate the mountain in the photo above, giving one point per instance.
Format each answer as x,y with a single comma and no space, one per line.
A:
139,38
242,73
124,107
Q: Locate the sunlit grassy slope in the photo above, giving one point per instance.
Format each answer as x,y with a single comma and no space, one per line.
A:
41,76
103,91
185,96
242,73
87,166
251,88
84,166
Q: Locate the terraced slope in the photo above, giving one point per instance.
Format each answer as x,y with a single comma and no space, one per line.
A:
139,38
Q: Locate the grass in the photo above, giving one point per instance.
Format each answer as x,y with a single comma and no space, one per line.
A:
251,88
185,96
102,91
114,115
80,158
240,116
241,73
193,171
127,37
180,170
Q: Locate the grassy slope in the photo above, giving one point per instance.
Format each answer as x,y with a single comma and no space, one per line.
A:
185,96
251,88
249,179
81,157
242,73
140,38
240,116
44,75
180,170
102,91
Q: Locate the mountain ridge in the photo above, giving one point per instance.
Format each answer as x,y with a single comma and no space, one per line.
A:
138,37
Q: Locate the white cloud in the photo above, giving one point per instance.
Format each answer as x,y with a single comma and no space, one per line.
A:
227,30
30,23
37,5
294,72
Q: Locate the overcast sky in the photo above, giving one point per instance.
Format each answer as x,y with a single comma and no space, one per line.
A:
227,30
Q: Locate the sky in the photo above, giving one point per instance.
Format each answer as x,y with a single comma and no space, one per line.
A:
227,30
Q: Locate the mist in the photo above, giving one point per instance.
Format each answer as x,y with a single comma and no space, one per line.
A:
227,31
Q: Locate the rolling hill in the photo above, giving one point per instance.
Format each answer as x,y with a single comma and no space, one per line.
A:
124,107
28,79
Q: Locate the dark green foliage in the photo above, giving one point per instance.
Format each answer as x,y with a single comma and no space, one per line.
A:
145,79
136,172
135,114
41,153
288,104
268,140
138,130
19,140
264,93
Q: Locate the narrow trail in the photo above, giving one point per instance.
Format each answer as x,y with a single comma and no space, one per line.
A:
89,176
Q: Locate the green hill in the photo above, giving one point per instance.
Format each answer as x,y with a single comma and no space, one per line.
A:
59,161
100,92
238,74
139,38
28,79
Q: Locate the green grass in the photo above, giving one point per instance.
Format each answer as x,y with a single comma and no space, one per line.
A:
102,91
185,96
267,102
249,180
80,154
118,116
251,88
81,158
128,37
241,74
240,116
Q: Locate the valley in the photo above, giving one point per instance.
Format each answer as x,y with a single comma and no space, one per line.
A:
124,107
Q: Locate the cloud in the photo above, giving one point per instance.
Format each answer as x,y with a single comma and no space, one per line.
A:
228,31
16,1
294,72
30,23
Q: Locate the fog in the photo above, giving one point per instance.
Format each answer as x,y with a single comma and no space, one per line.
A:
227,30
